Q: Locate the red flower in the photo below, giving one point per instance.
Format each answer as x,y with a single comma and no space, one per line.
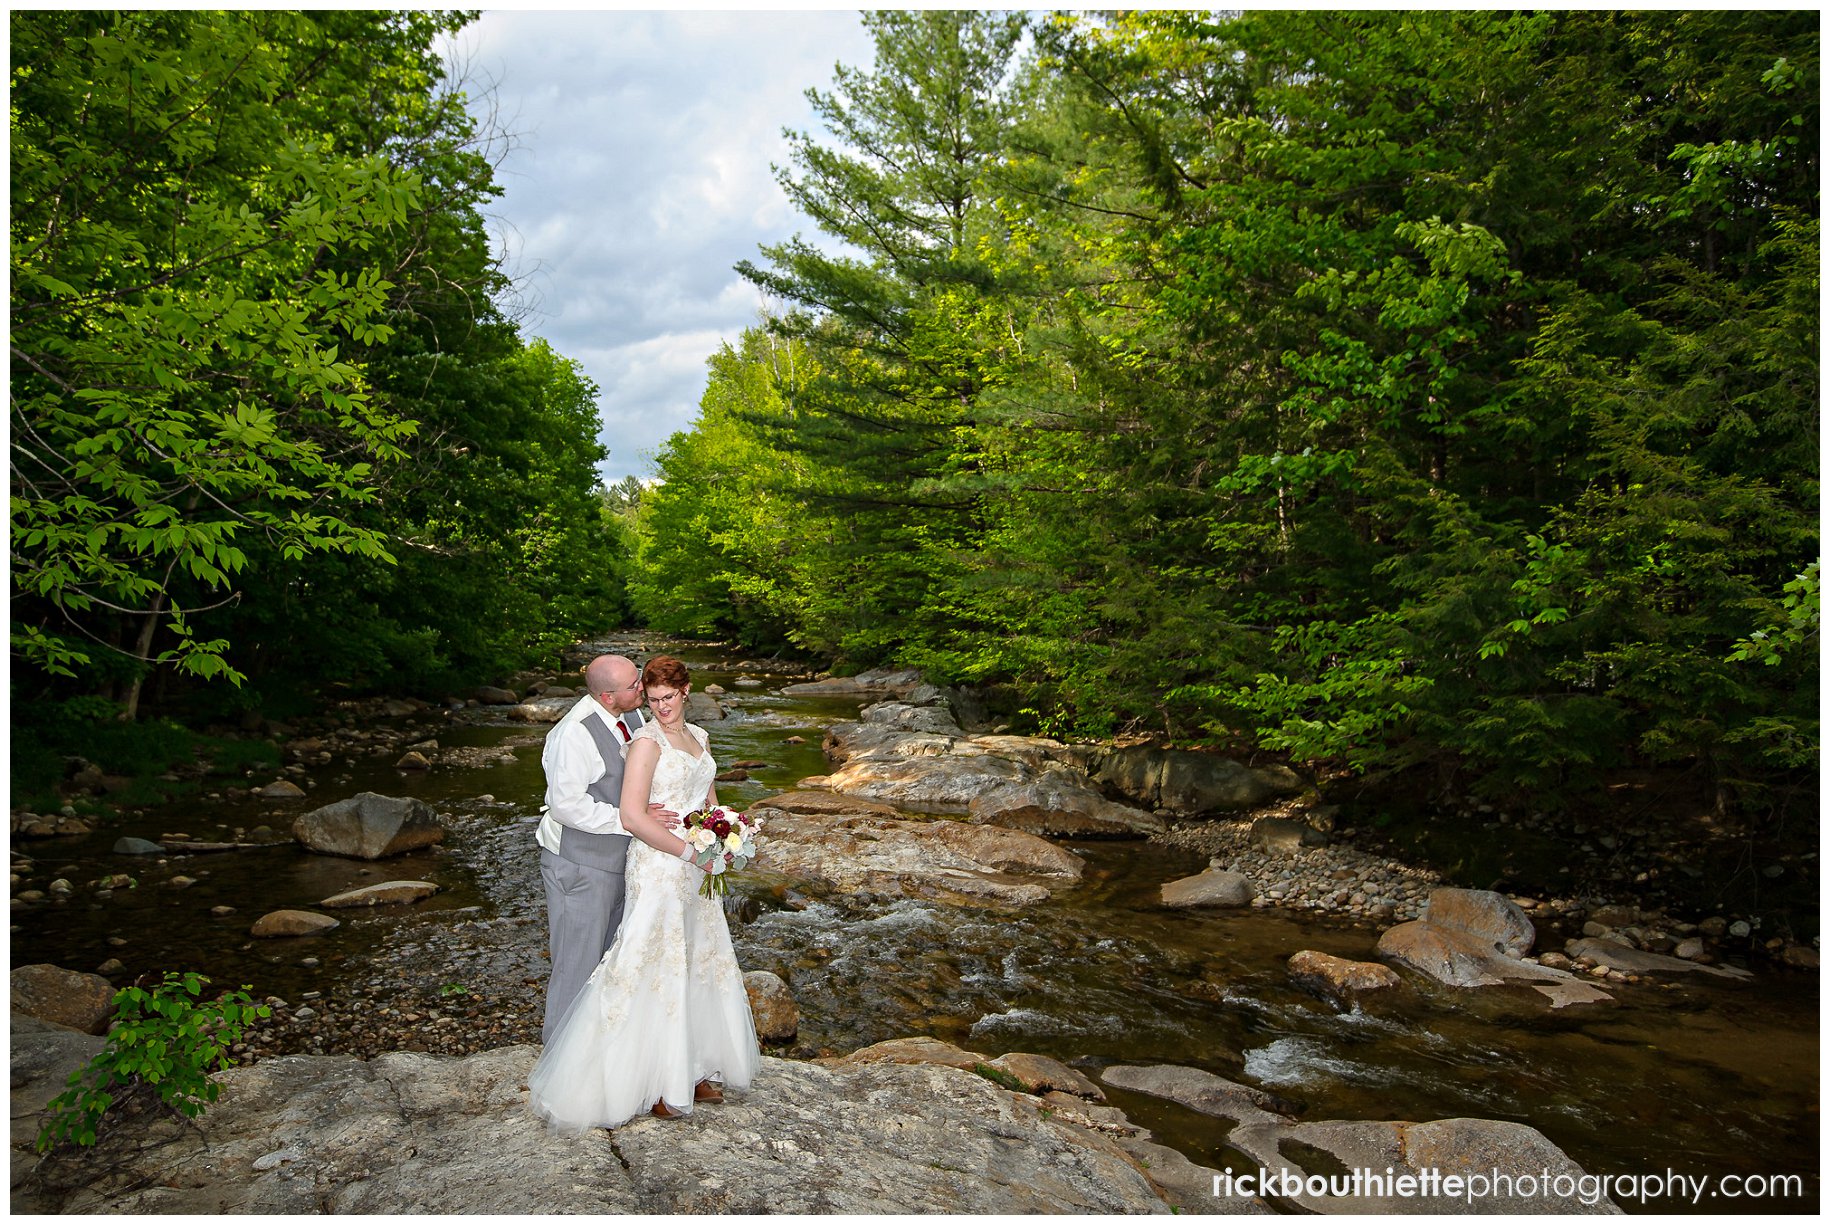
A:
721,827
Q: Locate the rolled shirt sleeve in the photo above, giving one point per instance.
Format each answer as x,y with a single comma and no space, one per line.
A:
572,763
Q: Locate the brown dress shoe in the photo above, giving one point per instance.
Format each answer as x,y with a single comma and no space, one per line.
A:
663,1111
706,1091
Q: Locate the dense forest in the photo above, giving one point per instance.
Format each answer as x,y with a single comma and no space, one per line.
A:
1429,394
273,435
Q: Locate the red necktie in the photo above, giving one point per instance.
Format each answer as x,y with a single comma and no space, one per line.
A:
619,727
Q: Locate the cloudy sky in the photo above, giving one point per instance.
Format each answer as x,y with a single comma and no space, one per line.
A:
637,176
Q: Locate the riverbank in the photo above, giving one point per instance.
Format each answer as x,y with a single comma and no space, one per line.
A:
911,1126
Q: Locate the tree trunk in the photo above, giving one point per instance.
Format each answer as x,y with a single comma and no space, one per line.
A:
143,649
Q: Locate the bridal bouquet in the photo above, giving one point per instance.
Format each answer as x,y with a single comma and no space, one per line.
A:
723,841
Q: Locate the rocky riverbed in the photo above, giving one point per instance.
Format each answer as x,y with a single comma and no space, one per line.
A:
921,933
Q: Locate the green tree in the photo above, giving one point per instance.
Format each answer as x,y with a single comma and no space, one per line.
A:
180,381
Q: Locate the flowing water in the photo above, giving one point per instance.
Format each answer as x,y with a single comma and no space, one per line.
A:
1702,1078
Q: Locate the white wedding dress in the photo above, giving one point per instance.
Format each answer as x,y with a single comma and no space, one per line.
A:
666,1007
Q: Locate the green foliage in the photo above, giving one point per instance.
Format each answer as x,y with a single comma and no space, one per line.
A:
161,1039
269,424
1430,389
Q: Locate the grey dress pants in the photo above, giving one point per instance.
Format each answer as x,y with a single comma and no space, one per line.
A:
584,907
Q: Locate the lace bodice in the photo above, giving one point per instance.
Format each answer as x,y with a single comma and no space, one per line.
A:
680,779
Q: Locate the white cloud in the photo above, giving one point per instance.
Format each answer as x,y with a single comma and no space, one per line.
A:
641,174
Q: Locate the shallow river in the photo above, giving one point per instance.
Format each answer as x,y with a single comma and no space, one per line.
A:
1702,1078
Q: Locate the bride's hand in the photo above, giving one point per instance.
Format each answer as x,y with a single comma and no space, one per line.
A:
666,816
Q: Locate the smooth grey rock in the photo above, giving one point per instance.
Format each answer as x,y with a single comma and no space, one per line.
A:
137,846
413,1133
292,923
369,826
280,789
1182,781
489,695
844,741
909,717
1634,961
1451,1146
42,1056
1284,836
1210,888
703,708
385,893
542,711
1197,1090
67,998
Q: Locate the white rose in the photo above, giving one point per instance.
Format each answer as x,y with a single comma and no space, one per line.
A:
733,841
701,839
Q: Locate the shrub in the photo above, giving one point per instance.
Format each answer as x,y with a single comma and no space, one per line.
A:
160,1039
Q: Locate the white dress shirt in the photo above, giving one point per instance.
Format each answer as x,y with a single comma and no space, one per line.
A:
572,763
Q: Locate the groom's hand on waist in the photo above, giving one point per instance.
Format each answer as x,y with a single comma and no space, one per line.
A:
666,816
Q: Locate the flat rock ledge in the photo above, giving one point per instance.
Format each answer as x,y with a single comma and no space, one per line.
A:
863,846
415,1133
1449,1146
917,758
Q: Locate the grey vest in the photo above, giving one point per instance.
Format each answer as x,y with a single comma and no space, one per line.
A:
605,852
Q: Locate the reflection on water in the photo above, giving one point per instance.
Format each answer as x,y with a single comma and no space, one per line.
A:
1702,1077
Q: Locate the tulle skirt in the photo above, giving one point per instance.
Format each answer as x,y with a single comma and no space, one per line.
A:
664,1010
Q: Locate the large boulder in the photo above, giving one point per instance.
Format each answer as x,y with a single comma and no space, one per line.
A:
1491,917
924,784
703,708
1061,803
1182,781
878,682
772,1006
1213,887
875,853
369,826
490,695
1458,958
844,741
429,1134
903,716
69,998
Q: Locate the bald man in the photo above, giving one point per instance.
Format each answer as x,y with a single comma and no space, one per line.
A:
581,837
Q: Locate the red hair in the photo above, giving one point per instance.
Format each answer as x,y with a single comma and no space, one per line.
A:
664,670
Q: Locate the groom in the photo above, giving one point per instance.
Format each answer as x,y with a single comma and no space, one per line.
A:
581,837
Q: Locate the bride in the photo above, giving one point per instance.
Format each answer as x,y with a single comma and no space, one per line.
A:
665,1015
